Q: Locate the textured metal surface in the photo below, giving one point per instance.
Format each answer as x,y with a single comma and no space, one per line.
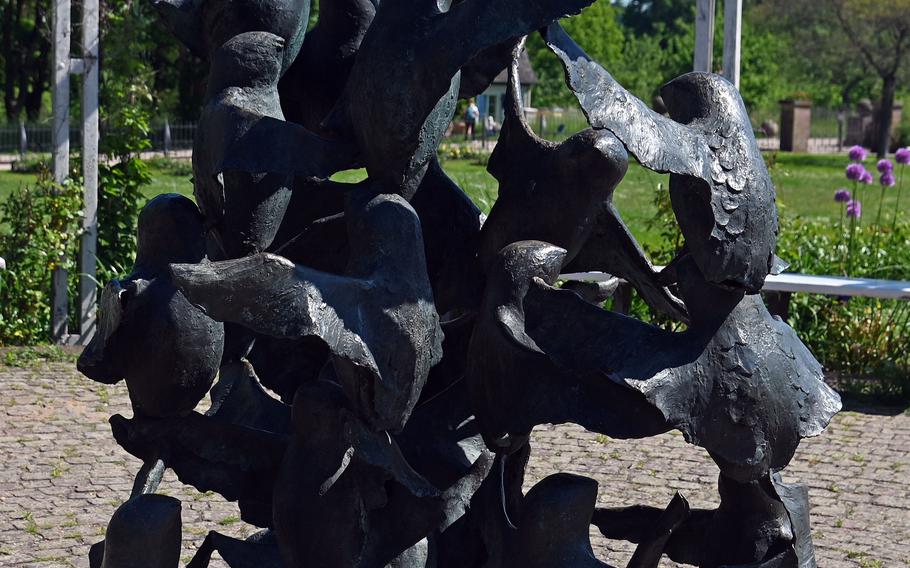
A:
149,334
413,54
383,351
378,319
245,156
721,190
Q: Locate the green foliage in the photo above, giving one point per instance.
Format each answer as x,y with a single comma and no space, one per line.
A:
24,57
31,164
763,81
32,356
860,338
665,226
171,166
126,113
641,59
644,16
476,156
118,208
597,30
41,229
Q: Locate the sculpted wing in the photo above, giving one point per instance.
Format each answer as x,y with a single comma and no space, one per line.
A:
659,143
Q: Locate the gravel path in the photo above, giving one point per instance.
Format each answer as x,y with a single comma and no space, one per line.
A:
63,475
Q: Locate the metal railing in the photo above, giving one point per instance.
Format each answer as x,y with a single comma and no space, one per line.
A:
828,132
20,139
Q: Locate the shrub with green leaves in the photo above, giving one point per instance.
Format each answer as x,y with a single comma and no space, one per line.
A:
172,166
31,164
40,232
863,339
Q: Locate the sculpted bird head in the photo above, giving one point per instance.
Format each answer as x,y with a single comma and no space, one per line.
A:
251,59
705,98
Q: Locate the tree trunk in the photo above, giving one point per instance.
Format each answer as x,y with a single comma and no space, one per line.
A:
38,81
9,62
885,114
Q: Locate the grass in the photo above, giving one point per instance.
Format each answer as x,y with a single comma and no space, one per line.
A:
230,520
31,527
33,356
10,181
805,187
58,470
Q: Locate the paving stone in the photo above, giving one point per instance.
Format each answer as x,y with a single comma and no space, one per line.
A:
63,475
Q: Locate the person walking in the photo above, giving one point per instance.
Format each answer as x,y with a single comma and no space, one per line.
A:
471,116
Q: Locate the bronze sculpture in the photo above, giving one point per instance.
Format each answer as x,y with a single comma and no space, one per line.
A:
383,351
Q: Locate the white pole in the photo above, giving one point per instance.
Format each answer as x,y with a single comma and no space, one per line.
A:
704,35
23,140
167,137
733,30
61,95
88,287
61,141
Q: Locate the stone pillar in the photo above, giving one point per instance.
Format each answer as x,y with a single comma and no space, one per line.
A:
860,124
870,126
795,124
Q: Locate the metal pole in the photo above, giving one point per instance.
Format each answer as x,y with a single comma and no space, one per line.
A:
88,288
733,31
23,140
704,35
61,143
167,137
61,94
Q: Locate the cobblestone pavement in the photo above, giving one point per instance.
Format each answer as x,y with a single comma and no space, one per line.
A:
63,475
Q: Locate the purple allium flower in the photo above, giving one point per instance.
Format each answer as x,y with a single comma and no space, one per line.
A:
857,153
855,172
887,179
854,209
867,178
885,166
902,156
842,195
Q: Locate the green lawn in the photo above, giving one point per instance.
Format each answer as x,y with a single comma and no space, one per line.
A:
805,187
10,182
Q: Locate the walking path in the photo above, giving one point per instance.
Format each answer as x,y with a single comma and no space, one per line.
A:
63,475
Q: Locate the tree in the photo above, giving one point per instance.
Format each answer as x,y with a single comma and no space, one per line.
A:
597,30
645,17
25,53
840,41
881,33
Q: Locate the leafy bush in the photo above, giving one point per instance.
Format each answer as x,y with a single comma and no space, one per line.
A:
41,229
125,114
862,339
119,200
31,164
464,152
33,356
171,166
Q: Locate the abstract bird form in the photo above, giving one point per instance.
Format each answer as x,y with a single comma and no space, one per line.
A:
149,334
383,350
378,319
720,188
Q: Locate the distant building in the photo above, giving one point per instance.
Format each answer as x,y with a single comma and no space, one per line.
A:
491,102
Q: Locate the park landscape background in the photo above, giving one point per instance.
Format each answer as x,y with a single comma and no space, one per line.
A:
835,53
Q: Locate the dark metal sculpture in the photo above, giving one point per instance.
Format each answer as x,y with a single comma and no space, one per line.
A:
562,194
144,532
721,191
149,334
383,351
